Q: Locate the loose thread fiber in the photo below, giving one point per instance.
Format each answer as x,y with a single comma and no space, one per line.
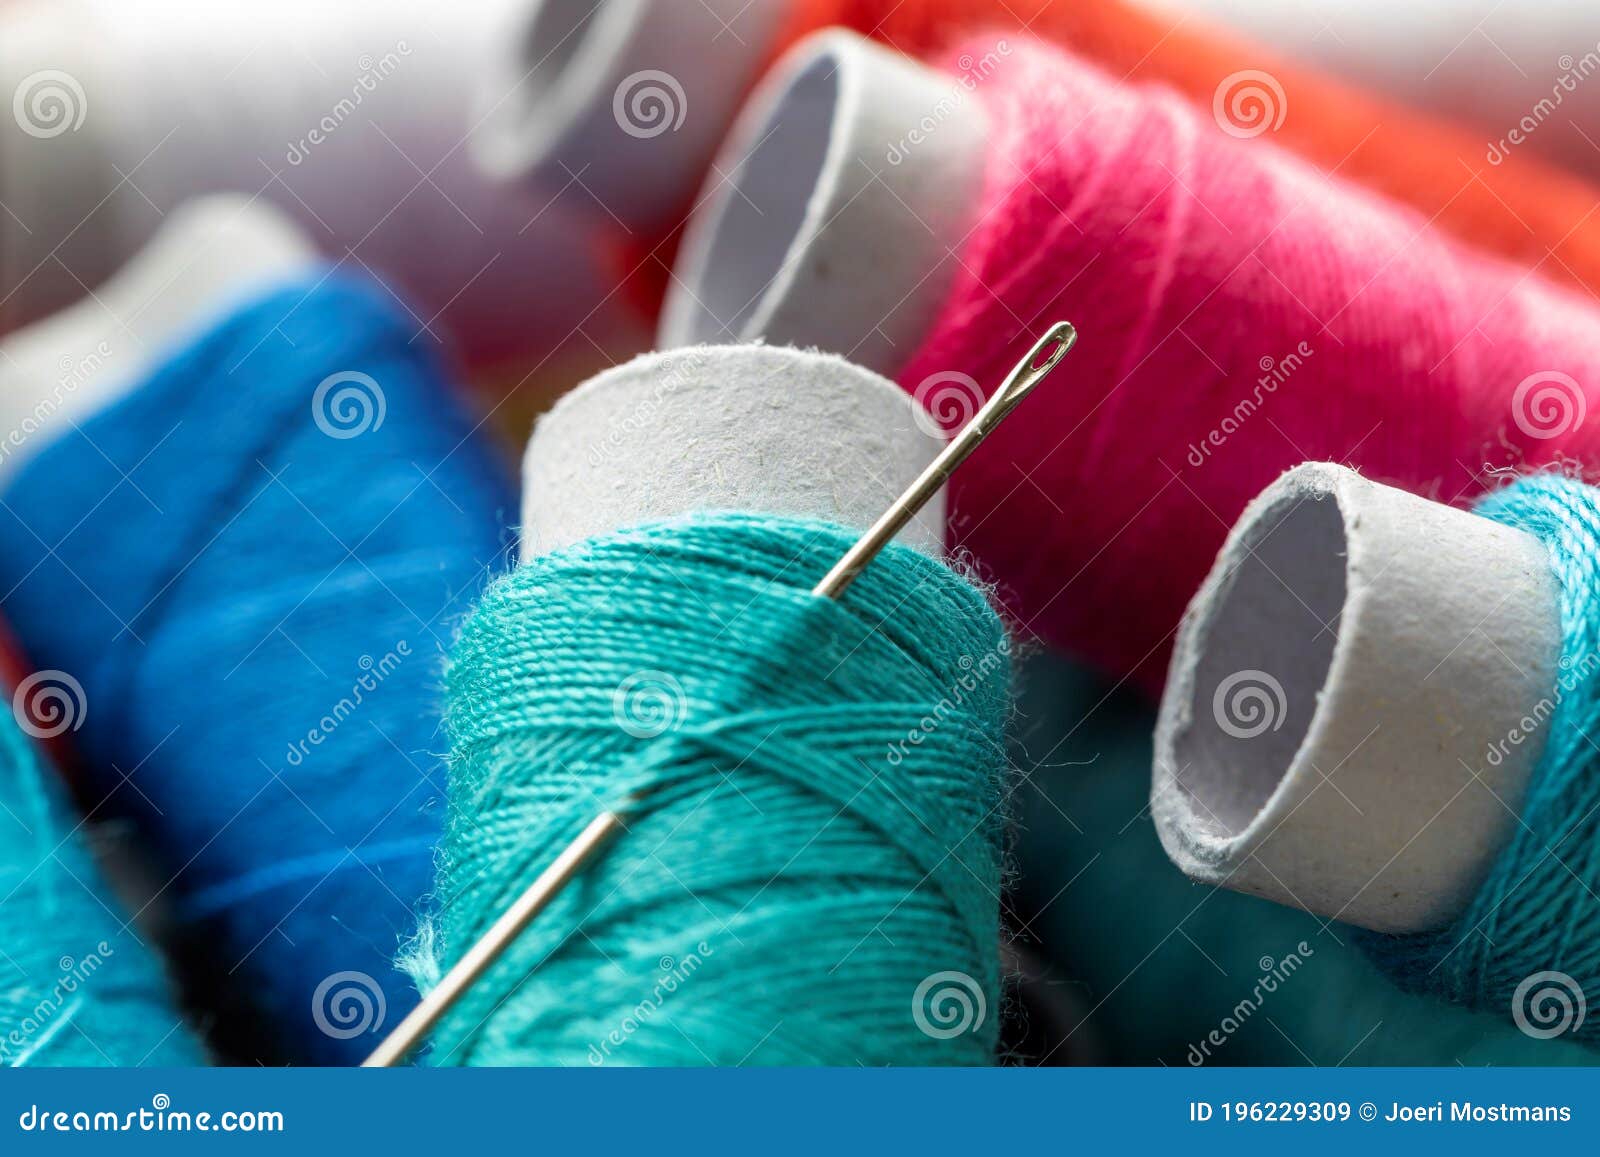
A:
1536,911
812,874
252,566
1240,313
1519,207
77,985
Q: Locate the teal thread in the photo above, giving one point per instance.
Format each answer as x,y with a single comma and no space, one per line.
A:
77,985
1537,911
787,885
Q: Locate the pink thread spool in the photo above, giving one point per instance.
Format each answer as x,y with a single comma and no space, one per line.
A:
1240,313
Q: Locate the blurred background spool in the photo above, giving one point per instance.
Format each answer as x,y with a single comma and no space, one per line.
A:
575,56
209,255
598,93
261,549
1499,67
353,118
78,984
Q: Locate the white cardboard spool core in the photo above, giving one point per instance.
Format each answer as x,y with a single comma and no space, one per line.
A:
53,177
628,97
776,431
830,214
209,254
1337,728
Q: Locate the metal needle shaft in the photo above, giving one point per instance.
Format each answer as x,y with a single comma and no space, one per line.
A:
1029,372
477,959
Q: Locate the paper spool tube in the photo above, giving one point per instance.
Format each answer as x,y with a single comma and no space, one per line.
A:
626,97
1346,722
754,428
209,254
54,235
832,212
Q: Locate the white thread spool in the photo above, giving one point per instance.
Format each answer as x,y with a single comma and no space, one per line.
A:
778,431
350,116
625,99
1336,691
850,175
209,255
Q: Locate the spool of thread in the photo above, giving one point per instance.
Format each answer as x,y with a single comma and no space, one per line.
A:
601,92
1458,647
78,986
210,255
789,891
249,566
1519,74
351,118
1514,205
575,56
579,696
1190,975
1261,315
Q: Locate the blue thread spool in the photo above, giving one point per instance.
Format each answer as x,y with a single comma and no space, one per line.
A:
253,564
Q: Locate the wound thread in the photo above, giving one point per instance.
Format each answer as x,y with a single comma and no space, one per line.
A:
810,871
1529,940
